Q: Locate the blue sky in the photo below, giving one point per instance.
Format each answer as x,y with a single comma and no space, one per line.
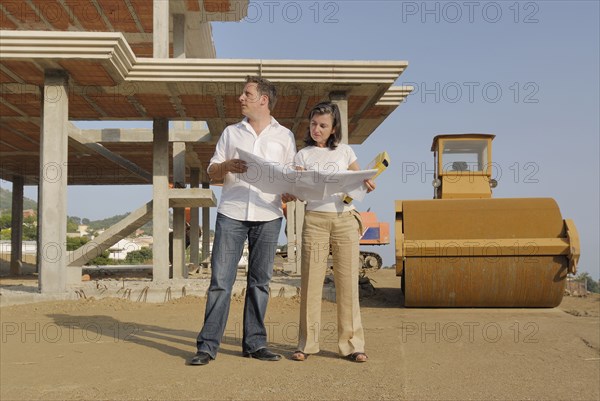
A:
524,71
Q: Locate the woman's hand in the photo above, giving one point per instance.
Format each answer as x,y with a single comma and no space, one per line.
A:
370,184
285,198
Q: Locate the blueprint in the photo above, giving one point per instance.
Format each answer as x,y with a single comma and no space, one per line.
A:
274,178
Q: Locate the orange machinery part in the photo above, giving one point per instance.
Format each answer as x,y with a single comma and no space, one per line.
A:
374,231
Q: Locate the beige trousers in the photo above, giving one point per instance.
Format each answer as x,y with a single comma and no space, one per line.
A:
341,230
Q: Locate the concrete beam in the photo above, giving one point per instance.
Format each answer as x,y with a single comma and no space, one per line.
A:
395,95
142,135
295,221
179,266
160,32
308,72
16,231
75,135
53,184
179,164
341,99
194,220
109,48
112,48
192,160
192,197
206,231
111,236
160,194
179,34
198,38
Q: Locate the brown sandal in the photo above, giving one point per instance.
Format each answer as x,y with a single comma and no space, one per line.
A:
358,357
299,356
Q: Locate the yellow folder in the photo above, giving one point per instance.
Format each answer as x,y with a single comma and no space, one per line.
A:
379,163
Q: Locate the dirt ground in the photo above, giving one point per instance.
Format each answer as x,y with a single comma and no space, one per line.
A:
118,349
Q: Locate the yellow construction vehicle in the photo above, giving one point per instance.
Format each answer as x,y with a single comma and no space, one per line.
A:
465,249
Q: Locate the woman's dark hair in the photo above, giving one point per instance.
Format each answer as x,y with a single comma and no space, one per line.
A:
336,136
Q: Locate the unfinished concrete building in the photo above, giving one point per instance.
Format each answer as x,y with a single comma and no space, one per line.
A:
78,60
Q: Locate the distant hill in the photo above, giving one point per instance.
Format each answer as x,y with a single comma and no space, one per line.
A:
94,225
6,202
104,223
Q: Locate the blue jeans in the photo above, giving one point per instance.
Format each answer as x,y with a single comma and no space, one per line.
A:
228,246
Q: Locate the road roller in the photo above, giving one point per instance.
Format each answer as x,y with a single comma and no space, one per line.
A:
464,248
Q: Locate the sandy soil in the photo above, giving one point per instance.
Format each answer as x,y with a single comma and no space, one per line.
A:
117,349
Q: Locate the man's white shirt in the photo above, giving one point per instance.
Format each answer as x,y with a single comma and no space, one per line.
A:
241,200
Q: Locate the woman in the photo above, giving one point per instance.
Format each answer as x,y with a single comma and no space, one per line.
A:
329,223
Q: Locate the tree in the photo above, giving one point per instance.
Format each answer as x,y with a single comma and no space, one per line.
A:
5,220
76,242
138,257
591,284
72,225
29,233
100,260
29,229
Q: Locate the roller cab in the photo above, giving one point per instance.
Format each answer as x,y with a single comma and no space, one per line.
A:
465,249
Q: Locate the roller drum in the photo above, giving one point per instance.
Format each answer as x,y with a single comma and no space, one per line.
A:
482,252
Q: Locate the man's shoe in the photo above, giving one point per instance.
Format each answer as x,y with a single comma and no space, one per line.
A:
201,358
263,354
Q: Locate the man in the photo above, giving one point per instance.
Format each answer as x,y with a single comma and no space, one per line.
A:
245,212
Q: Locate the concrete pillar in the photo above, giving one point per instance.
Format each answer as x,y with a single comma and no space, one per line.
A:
160,33
295,221
160,195
179,35
38,256
16,231
341,100
194,220
179,266
205,232
53,184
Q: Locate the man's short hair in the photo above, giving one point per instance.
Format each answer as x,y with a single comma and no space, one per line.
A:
264,87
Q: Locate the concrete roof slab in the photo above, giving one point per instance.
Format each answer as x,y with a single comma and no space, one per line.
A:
107,81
